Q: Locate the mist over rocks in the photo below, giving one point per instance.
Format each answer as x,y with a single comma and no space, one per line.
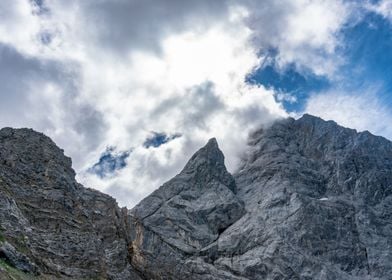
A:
311,200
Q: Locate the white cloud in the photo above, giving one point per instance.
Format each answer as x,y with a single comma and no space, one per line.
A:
362,111
18,25
110,72
305,32
195,87
383,7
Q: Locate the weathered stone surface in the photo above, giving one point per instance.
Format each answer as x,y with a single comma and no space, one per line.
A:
64,229
16,259
185,215
311,200
318,206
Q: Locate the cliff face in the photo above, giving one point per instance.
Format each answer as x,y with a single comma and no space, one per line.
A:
179,221
312,200
319,203
50,225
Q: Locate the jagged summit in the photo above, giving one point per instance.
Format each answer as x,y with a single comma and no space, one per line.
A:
191,210
210,155
20,138
310,118
51,227
212,143
34,155
308,188
328,184
317,139
208,164
313,200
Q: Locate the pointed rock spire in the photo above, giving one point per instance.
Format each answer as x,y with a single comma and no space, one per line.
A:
193,208
207,164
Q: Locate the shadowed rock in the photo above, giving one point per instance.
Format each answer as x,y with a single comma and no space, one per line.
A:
318,206
187,213
51,225
311,200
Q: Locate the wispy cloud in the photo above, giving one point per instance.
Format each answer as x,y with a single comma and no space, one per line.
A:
93,74
360,110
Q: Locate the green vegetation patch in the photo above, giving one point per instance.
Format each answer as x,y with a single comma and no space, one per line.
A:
13,273
2,237
21,245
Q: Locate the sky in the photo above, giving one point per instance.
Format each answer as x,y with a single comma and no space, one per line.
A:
130,89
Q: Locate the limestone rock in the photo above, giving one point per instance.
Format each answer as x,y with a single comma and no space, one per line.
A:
46,217
311,200
186,214
317,201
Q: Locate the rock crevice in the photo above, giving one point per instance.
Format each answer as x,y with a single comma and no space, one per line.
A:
311,200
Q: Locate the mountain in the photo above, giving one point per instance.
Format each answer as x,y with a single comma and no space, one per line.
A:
51,227
311,200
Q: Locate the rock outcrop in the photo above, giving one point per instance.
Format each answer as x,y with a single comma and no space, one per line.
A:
311,200
183,217
51,226
318,204
317,201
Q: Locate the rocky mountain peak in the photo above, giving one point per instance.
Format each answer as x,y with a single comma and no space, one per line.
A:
51,227
312,200
187,213
34,154
209,154
208,164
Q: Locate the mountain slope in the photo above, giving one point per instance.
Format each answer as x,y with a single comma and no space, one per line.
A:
51,226
318,206
318,202
311,200
186,214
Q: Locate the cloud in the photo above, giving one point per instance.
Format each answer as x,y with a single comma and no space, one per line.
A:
360,110
125,25
304,32
93,74
195,87
383,7
42,93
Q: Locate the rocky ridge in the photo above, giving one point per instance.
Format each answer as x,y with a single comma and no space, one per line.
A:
51,226
311,200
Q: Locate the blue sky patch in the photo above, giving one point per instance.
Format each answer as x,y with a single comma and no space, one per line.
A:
159,138
367,52
109,162
292,86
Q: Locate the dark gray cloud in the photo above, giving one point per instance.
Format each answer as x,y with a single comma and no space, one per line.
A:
24,102
17,75
92,73
200,103
122,25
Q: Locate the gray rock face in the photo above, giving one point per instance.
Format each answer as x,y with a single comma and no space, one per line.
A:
311,200
317,201
318,198
186,214
16,259
51,225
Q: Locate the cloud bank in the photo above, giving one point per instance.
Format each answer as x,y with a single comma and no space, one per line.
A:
360,110
100,74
